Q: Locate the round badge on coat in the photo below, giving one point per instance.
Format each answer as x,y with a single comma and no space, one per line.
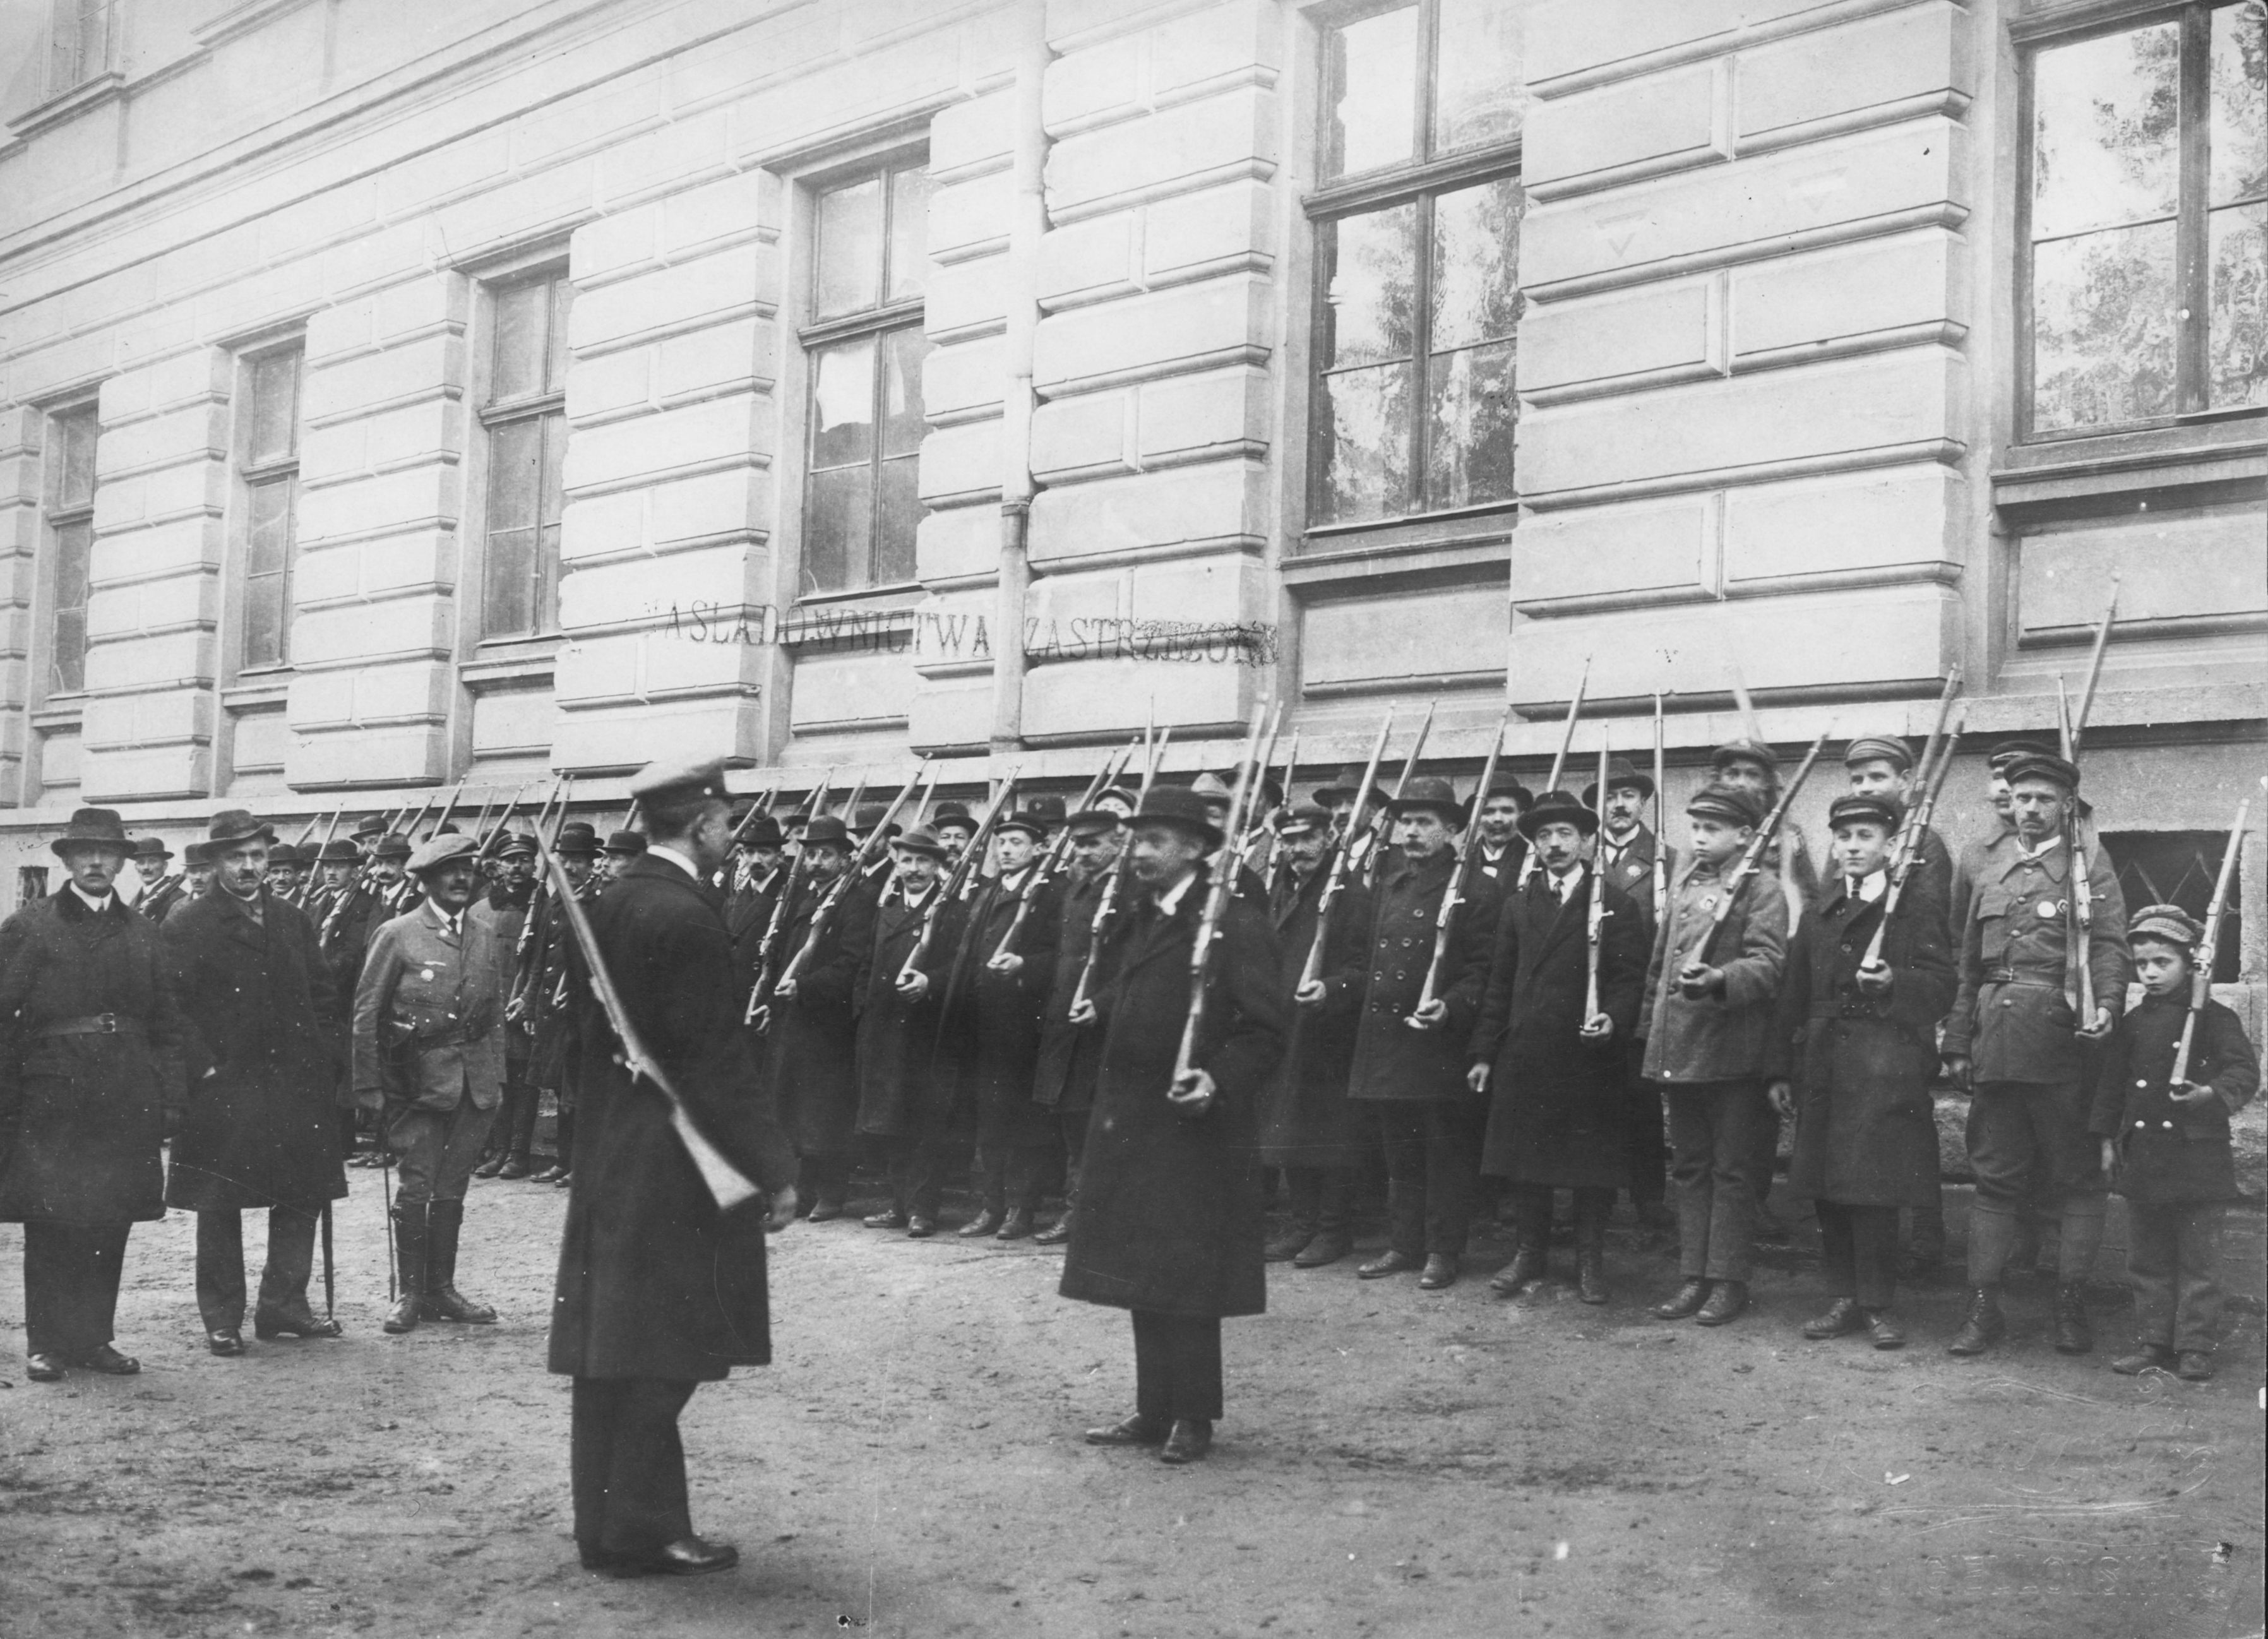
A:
425,973
2048,909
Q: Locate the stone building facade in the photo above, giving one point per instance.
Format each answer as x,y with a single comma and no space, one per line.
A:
395,392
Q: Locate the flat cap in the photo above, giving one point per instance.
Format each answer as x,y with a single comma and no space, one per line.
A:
2008,750
1879,748
673,779
1029,821
1733,804
1875,807
920,840
2168,922
440,850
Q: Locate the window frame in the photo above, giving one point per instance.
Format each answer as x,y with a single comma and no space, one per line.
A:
547,407
1421,181
71,67
2192,252
250,475
59,513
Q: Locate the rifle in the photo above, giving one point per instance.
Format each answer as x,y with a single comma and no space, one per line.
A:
728,1186
2201,965
1152,763
524,958
1910,836
1051,862
851,808
487,805
853,871
1752,854
1381,822
1270,867
1595,914
776,928
1218,892
1312,970
2094,672
1660,843
955,878
2079,944
448,810
1559,761
490,837
307,887
1453,895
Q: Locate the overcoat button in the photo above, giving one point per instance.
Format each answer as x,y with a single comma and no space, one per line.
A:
2142,1084
2168,1125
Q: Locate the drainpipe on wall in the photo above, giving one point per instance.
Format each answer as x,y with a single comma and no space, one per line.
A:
1027,220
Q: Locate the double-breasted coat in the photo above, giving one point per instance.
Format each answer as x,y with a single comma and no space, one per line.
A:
901,1091
655,1281
1866,1130
992,1019
82,1115
1559,1111
1393,1062
812,1038
261,1040
2169,1152
1063,1076
1170,1219
1308,1120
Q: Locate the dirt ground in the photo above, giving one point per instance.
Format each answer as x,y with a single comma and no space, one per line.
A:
1393,1463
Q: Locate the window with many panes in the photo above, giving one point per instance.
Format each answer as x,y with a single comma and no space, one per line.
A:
525,414
78,42
1416,221
2146,220
71,438
269,468
864,349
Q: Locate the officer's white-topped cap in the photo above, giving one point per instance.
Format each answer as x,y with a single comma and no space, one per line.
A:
439,850
674,778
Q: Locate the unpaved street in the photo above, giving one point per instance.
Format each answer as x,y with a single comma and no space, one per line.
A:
1395,1462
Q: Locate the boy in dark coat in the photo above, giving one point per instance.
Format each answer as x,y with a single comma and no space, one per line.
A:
904,1103
1865,1036
2166,1144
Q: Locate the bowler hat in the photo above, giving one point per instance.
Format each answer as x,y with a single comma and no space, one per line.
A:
577,838
369,825
94,827
1179,806
631,842
1878,807
953,814
1620,776
920,840
2168,922
1734,805
196,856
1428,794
1342,787
153,847
2043,765
393,845
1046,807
1558,808
284,854
339,851
765,833
1087,821
232,826
440,850
1504,785
826,828
1879,748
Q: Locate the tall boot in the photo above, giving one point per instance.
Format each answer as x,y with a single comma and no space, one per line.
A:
443,1301
410,1223
1591,1208
1530,1261
2073,1335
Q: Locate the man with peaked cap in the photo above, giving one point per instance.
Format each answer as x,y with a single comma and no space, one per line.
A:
1627,852
1117,801
1971,857
1409,1062
1555,1071
260,1028
530,967
555,1050
811,1027
1496,833
991,1027
1063,1077
660,1288
905,1104
2024,1041
1170,1222
90,1081
430,1057
1308,1125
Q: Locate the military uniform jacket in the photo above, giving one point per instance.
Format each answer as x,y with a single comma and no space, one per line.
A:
992,1019
1063,1077
1308,1120
429,1012
654,1279
2011,1017
260,1038
82,1116
1865,1130
812,1057
1558,1112
1726,1036
2169,1152
1169,1213
1392,1060
901,1091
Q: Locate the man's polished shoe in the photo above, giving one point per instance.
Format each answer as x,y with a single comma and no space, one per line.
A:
552,1174
1190,1440
103,1358
1016,1226
2073,1335
919,1228
825,1210
1883,1329
1056,1232
225,1342
1440,1270
1136,1431
1324,1249
2194,1365
563,1181
1727,1300
1843,1317
446,1303
514,1170
1685,1304
1524,1269
1388,1262
687,1556
490,1167
2149,1357
1982,1326
296,1321
890,1217
985,1222
1286,1246
44,1368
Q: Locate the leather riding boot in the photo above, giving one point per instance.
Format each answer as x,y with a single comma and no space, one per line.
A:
1983,1325
443,1301
1591,1245
411,1220
2072,1334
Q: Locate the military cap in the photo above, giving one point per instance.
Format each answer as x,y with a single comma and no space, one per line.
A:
673,779
196,856
1429,795
826,828
1087,821
1181,808
339,851
1342,787
577,838
1733,804
93,828
953,814
1879,748
2169,923
920,840
2008,750
1558,808
442,850
1877,807
1033,825
154,848
232,826
393,845
1305,821
765,833
2043,765
1746,751
631,842
516,843
1620,776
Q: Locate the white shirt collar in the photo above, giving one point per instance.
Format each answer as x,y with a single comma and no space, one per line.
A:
1564,886
1170,900
443,920
2053,840
97,906
660,850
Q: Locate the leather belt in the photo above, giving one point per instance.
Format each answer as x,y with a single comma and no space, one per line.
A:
90,1024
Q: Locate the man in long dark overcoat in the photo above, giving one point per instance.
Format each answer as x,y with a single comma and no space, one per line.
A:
1170,1219
1630,856
658,1290
1553,1067
1308,1126
260,1028
89,1072
1063,1075
812,1029
903,1103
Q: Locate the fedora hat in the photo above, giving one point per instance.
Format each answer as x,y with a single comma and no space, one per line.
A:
232,826
1558,808
577,838
1181,808
153,847
1429,794
1620,774
339,851
94,827
630,842
827,830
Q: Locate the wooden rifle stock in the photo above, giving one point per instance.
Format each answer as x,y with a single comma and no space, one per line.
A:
1218,893
1912,836
1312,970
1753,855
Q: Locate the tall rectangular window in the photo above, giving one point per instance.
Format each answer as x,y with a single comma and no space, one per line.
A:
1416,254
525,417
2147,240
269,468
78,42
71,530
865,348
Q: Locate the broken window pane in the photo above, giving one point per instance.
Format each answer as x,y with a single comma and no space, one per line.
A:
849,261
843,404
1362,444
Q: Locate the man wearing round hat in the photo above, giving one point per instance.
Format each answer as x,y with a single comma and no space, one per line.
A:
758,876
1627,853
660,1290
429,1056
1338,798
1170,1222
2022,1035
1410,1058
622,846
90,1075
1554,1068
285,872
153,867
1062,1080
811,1028
259,1024
956,828
390,883
905,1106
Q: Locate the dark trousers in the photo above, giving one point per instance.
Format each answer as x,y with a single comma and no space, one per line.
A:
220,1264
70,1286
2022,1134
1071,1126
918,1166
1649,1140
435,1150
2173,1257
823,1177
1176,1366
514,1130
1714,1143
1859,1247
626,1465
1531,1214
1322,1198
565,1143
1433,1171
1012,1175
